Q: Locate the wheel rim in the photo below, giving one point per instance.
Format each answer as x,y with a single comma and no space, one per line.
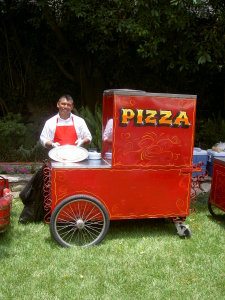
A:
80,223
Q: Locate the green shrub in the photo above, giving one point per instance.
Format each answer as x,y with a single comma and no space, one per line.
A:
12,132
19,142
34,153
19,169
94,123
209,132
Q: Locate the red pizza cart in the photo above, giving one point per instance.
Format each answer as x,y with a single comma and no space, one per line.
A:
145,169
217,194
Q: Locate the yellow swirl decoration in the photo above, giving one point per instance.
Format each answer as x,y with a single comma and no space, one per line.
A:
152,146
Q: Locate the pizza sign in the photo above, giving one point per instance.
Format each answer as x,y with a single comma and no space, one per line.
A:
151,117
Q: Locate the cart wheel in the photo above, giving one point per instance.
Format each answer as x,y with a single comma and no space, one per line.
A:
79,221
187,232
183,230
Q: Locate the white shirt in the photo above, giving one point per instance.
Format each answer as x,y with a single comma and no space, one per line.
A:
108,132
48,131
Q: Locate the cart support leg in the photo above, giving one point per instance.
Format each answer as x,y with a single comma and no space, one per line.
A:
183,230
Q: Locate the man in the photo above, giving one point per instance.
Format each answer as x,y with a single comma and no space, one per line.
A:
63,129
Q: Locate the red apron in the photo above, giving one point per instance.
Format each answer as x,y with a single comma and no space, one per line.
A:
65,135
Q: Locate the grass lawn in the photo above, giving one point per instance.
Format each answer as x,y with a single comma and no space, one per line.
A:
142,259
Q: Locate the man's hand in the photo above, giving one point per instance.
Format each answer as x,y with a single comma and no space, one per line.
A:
79,142
54,145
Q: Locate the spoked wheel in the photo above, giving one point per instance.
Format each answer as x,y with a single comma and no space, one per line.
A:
79,221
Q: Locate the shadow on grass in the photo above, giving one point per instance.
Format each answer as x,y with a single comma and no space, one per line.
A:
219,219
153,227
201,206
5,237
8,234
133,229
119,229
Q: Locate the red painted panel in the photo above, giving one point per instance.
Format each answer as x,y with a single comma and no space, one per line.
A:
133,193
149,144
217,195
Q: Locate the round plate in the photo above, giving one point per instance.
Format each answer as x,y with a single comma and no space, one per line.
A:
68,153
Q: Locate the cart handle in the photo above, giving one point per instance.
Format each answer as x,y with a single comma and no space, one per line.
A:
191,170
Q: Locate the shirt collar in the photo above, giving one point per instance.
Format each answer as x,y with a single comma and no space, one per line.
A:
67,120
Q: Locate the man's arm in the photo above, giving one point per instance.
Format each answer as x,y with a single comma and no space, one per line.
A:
47,135
85,141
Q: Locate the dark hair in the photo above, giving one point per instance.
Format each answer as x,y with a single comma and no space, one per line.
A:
68,98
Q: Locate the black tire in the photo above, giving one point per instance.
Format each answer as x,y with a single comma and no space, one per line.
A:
211,210
187,233
214,211
79,221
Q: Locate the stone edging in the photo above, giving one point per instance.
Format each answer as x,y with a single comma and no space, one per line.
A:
17,182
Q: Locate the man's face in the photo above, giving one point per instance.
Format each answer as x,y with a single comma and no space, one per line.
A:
65,108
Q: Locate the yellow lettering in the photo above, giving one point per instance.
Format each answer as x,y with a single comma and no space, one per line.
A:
127,115
164,117
139,116
181,120
150,119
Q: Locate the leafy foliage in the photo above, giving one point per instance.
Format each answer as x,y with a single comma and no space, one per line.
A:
31,169
209,132
18,141
50,48
35,153
12,132
94,123
84,47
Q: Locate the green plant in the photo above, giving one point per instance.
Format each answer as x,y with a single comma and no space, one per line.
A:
94,123
18,169
209,132
19,142
34,153
12,132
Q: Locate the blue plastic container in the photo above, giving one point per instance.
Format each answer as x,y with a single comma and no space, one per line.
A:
211,156
199,156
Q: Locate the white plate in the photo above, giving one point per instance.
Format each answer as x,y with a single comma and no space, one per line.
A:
68,153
